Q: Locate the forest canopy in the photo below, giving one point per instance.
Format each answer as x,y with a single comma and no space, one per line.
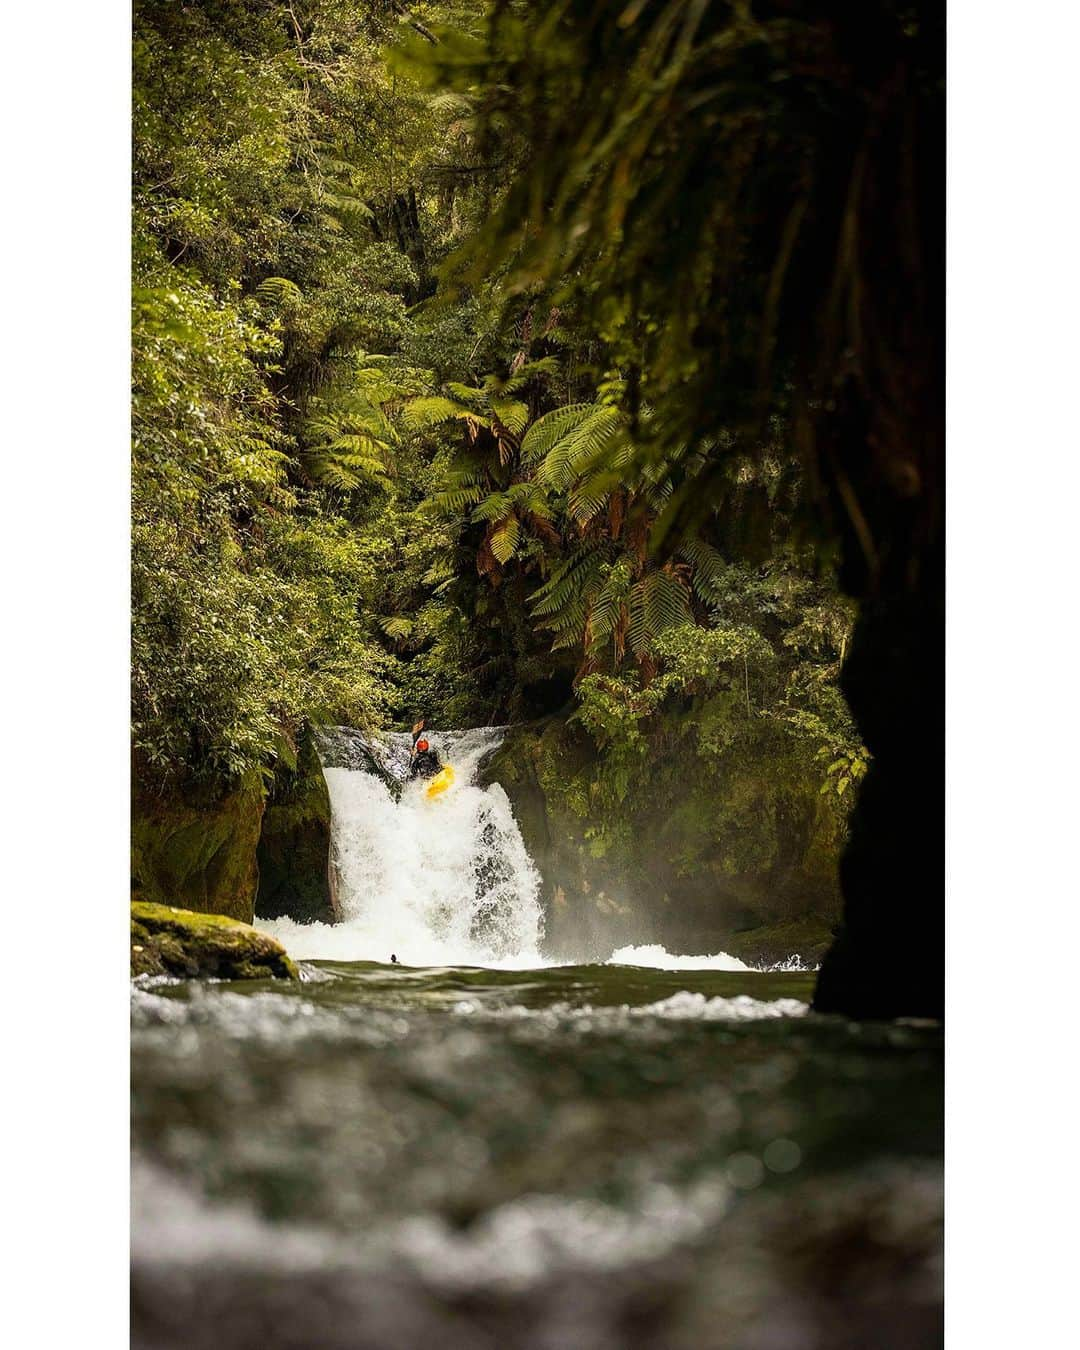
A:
423,382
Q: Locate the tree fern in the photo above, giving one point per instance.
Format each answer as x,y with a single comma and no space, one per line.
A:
709,569
566,583
607,614
548,430
420,414
658,602
280,292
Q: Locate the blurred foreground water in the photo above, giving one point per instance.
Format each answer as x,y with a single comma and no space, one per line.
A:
575,1158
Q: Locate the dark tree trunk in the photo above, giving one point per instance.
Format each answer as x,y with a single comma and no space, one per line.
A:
888,960
883,457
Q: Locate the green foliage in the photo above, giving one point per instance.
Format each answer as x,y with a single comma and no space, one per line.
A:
714,187
362,491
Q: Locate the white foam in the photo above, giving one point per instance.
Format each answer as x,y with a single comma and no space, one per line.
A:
515,1245
685,1006
443,881
654,957
689,1005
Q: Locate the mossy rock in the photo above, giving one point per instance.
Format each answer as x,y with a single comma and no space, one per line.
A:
199,852
808,938
181,942
700,847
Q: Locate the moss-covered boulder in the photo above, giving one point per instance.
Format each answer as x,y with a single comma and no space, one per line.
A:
296,880
181,942
695,846
808,938
198,850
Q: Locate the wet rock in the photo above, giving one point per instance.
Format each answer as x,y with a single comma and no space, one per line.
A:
170,941
698,849
806,939
198,850
296,880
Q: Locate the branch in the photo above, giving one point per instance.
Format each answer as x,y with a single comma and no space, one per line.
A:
402,13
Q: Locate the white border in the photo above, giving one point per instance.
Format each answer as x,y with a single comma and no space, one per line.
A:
66,114
1012,701
1012,672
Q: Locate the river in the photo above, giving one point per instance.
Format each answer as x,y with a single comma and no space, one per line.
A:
504,1153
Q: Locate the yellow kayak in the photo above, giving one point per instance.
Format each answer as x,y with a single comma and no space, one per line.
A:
442,780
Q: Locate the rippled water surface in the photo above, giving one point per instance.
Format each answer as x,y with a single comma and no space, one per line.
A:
574,1157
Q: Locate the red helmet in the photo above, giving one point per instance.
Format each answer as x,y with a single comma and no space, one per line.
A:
421,745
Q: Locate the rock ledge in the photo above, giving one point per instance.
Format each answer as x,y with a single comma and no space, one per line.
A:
170,941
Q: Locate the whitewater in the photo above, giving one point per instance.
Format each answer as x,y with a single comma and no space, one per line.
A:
434,882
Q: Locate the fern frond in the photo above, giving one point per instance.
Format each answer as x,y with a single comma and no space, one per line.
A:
526,373
589,497
462,490
421,413
280,291
474,398
607,609
511,414
658,602
548,430
709,571
666,602
581,448
441,570
565,583
504,540
396,626
493,507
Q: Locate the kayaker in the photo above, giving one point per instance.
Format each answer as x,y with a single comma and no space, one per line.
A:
425,760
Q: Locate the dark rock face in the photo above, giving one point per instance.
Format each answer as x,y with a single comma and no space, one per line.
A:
691,858
198,853
296,879
170,941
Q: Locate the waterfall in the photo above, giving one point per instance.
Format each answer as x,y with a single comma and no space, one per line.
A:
443,881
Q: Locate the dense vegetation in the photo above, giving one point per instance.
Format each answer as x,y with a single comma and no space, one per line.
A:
495,360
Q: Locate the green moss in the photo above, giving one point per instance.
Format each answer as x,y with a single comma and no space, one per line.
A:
170,941
198,852
688,838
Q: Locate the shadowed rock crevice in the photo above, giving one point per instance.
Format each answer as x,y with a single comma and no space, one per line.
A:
296,878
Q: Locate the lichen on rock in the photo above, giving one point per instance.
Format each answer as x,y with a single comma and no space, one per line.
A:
170,941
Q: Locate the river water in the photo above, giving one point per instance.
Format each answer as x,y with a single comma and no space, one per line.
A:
503,1153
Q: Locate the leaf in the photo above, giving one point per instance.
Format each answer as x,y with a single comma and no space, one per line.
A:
504,540
421,413
511,414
